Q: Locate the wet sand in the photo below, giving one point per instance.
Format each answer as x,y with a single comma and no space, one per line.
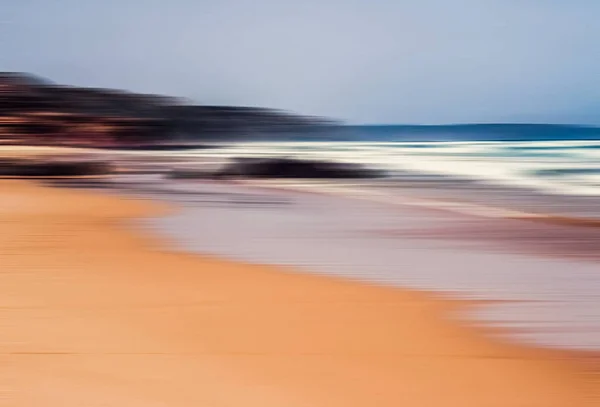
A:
540,278
94,313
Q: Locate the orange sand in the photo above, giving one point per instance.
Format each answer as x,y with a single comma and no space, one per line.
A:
93,314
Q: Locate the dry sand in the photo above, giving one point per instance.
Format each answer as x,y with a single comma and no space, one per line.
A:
93,313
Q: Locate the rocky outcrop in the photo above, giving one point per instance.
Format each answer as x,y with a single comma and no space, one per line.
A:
53,168
190,174
293,168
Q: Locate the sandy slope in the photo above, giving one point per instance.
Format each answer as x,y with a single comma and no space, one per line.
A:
93,314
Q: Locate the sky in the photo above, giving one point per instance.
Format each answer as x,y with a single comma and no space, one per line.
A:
362,61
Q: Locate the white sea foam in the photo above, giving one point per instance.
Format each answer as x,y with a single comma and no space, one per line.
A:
521,164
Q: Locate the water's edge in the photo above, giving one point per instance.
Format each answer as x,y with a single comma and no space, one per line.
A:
543,301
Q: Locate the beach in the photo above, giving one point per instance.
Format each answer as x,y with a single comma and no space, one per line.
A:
97,312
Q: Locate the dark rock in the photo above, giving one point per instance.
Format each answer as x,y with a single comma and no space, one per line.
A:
162,147
35,168
190,174
294,168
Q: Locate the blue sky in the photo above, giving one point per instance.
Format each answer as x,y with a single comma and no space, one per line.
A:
365,61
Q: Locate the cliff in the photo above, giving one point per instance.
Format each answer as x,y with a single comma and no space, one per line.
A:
35,111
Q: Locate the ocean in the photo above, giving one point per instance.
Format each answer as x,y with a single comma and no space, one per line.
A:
570,167
533,159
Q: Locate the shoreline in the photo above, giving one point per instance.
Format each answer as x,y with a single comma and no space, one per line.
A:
463,208
528,244
274,336
541,277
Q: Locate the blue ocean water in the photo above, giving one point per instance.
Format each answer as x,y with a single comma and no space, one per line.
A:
455,132
554,159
